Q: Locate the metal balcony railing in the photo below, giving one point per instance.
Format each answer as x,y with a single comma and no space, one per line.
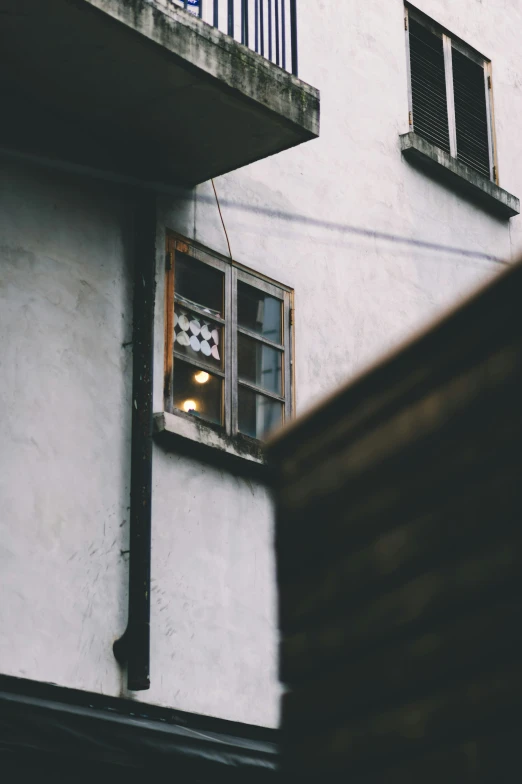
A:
269,27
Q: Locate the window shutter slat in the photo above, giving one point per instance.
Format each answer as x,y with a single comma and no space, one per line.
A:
470,113
428,86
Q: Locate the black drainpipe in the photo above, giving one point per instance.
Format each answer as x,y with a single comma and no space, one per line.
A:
133,646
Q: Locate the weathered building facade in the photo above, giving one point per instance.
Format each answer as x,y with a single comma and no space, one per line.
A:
129,277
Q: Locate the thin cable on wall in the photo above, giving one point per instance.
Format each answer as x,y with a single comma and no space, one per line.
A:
181,193
222,221
381,236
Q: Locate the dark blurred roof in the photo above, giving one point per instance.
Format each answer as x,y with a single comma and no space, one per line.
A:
47,729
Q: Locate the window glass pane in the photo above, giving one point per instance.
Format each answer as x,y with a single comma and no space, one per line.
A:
257,414
197,392
197,337
199,283
259,364
259,312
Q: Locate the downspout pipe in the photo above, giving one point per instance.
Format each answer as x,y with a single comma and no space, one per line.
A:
133,648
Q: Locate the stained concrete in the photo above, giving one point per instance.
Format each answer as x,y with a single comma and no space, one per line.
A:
459,176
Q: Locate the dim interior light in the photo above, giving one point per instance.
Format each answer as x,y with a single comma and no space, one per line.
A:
202,377
189,405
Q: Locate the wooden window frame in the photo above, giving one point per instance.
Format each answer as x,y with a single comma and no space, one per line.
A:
233,273
449,41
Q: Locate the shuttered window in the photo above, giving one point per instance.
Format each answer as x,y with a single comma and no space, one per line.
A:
471,117
428,86
450,94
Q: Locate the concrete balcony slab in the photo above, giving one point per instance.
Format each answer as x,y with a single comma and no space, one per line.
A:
140,88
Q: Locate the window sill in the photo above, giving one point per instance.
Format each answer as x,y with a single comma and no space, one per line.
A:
443,166
181,432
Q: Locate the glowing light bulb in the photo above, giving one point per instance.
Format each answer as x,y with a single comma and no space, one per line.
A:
189,405
202,377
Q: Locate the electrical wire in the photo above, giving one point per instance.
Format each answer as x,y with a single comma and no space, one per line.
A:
222,221
180,192
345,228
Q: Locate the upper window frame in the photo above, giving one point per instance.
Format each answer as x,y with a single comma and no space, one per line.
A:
449,40
233,272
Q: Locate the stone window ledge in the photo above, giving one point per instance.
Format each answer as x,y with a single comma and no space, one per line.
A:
184,433
461,177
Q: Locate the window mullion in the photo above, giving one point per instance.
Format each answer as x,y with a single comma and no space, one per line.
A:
287,357
232,396
199,309
259,390
260,339
200,364
450,97
168,370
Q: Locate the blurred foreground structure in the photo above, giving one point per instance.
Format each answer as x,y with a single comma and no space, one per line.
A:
399,554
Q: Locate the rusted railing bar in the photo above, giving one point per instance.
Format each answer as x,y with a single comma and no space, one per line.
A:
262,25
231,18
270,30
269,35
277,38
293,35
283,32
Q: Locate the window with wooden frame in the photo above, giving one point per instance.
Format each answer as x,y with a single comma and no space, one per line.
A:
227,343
450,94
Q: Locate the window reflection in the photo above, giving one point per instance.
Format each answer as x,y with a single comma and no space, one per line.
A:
257,414
259,312
259,364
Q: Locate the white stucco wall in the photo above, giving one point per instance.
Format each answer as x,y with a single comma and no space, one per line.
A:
357,296
213,593
65,310
292,217
295,217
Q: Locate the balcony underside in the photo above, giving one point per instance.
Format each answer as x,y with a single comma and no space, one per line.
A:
128,86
